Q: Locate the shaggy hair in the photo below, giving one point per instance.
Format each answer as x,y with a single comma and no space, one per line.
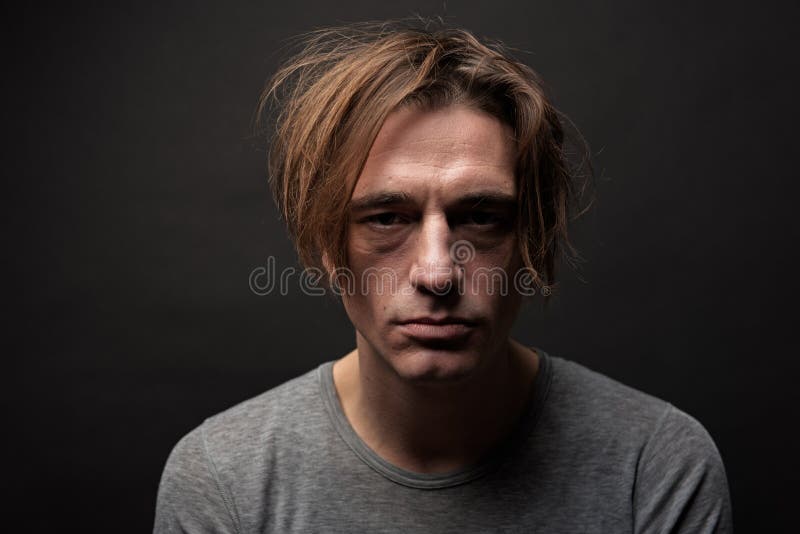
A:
330,99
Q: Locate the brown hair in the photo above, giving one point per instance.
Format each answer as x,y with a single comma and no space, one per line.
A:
334,95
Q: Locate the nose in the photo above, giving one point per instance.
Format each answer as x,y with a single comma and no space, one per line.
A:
434,269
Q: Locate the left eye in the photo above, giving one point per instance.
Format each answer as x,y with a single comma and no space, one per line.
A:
482,218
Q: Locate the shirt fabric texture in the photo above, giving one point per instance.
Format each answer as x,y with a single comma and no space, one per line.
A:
588,455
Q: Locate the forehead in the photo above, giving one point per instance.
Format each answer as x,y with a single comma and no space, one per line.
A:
440,153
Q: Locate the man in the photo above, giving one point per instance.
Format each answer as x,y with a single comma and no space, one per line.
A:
424,171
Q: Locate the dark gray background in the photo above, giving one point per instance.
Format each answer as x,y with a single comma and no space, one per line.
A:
137,207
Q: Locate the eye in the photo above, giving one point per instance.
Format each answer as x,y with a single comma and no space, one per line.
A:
384,219
482,218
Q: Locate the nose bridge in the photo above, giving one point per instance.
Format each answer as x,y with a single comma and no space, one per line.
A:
434,241
433,267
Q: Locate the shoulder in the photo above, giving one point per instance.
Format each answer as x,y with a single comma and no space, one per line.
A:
590,398
586,397
678,478
236,439
681,484
229,453
278,410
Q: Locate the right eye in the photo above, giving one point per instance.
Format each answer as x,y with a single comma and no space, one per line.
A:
384,219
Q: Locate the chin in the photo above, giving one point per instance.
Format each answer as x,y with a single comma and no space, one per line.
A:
431,365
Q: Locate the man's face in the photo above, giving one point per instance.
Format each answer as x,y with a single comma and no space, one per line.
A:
431,235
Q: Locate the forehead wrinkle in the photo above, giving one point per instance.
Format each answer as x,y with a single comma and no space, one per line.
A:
438,179
434,164
435,178
438,149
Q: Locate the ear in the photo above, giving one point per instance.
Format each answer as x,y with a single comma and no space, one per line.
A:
327,263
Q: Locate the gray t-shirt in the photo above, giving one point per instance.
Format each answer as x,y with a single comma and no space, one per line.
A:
588,455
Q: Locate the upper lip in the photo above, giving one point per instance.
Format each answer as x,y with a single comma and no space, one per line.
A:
438,320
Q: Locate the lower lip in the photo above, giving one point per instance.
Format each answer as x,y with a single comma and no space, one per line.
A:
436,332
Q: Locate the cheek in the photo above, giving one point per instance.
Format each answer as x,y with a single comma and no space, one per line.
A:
374,279
490,276
499,254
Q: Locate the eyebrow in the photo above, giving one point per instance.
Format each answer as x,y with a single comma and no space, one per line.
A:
487,199
382,199
379,200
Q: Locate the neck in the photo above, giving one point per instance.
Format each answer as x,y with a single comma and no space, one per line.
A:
434,428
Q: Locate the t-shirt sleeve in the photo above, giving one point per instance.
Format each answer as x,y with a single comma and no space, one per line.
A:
191,498
680,480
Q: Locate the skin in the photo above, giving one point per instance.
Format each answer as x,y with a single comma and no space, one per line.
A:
432,398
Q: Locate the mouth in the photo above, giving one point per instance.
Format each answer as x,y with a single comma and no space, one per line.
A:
442,329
